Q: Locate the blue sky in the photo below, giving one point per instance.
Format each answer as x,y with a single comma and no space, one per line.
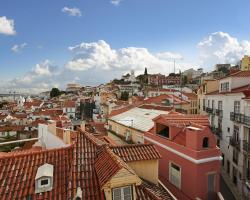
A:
175,26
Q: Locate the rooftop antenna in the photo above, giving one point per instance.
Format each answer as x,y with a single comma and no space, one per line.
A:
172,88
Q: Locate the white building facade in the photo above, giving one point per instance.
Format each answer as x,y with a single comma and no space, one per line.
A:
229,113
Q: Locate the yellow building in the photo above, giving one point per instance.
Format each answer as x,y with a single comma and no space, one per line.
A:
245,63
207,86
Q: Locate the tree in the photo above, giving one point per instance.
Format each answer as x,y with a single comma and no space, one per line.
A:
146,71
124,96
55,92
87,109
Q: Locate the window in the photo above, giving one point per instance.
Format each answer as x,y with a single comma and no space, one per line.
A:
224,87
123,193
175,174
208,103
236,133
163,130
236,106
43,183
213,104
205,143
219,105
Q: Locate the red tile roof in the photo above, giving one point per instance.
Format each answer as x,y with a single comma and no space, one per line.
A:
161,98
149,191
191,96
107,165
69,104
136,152
11,128
240,74
121,110
183,119
156,107
87,164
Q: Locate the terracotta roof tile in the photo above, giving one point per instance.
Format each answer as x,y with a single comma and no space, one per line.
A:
183,119
87,164
136,152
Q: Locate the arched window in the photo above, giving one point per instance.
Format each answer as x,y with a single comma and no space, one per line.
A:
205,143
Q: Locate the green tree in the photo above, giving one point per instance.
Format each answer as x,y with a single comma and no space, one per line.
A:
55,92
124,96
146,71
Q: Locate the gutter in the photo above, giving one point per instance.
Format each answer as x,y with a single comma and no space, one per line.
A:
16,141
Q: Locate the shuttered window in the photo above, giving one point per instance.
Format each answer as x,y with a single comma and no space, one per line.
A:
175,175
123,193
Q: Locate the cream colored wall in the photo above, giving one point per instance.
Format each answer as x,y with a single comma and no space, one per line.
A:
121,130
212,86
146,169
245,63
121,179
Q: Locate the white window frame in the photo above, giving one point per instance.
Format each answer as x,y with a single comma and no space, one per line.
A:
170,167
237,106
122,192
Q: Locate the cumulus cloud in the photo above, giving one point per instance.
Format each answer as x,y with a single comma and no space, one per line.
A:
115,2
18,48
72,11
100,55
7,26
220,47
39,78
97,62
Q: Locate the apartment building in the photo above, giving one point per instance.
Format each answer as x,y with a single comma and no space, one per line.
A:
245,63
229,112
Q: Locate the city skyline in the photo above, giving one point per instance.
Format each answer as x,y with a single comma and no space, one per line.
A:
50,44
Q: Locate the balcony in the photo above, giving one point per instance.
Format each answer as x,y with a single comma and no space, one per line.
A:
209,110
235,143
240,118
246,146
219,112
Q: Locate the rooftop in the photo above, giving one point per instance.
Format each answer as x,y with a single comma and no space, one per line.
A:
81,165
138,118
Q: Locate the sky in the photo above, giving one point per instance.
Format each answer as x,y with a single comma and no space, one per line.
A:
50,43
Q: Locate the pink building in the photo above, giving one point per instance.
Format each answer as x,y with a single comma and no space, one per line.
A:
190,164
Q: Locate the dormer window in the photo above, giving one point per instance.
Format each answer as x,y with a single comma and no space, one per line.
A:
122,193
224,87
44,178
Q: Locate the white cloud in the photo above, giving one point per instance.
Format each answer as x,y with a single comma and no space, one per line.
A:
220,47
72,11
18,48
39,78
97,62
7,26
115,2
99,55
